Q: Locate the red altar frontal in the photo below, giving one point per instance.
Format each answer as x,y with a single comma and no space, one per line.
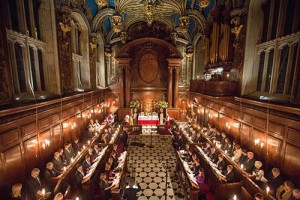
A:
148,120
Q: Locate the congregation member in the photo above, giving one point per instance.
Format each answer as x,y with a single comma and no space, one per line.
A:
218,137
213,155
207,149
285,191
104,187
62,156
249,162
274,180
49,173
229,175
58,163
68,153
76,146
200,178
258,173
87,163
196,165
96,150
79,174
35,186
243,156
221,163
16,192
295,195
237,153
91,154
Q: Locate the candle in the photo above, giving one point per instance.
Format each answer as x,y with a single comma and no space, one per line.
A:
232,158
72,160
83,146
89,142
225,151
268,189
234,197
78,152
43,192
262,145
77,198
65,169
242,166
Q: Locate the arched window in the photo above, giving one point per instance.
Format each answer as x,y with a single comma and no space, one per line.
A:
284,53
20,69
260,71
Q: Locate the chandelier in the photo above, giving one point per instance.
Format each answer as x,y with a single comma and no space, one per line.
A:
184,24
204,3
101,3
116,22
149,14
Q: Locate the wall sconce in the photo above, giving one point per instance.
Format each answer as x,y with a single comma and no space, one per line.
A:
257,142
46,143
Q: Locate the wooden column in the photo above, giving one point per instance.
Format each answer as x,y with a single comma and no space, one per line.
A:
124,81
170,77
173,63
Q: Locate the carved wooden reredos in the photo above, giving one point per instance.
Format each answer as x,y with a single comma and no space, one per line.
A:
148,69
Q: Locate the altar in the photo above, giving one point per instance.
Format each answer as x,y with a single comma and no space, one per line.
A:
148,120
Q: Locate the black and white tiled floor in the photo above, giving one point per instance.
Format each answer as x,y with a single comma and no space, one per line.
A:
147,167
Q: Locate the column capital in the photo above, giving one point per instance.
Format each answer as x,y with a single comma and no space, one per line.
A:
174,62
123,61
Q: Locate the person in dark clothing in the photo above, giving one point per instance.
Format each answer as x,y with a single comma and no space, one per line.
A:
220,163
131,192
249,162
76,146
213,155
48,174
87,163
274,180
79,174
104,187
295,195
34,185
229,175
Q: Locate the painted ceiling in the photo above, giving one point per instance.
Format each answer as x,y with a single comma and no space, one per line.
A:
165,11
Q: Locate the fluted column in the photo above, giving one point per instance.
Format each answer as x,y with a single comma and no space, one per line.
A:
176,80
170,77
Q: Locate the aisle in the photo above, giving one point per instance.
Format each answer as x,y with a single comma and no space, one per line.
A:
147,167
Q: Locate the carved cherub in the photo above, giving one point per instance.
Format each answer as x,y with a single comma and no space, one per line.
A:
65,28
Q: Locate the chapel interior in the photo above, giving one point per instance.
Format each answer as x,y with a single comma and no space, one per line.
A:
150,99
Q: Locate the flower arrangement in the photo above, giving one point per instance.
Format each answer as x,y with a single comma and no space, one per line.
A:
161,104
135,104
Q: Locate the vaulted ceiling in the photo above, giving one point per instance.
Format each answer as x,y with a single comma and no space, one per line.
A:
165,12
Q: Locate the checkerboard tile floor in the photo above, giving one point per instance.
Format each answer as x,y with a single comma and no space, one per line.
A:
147,167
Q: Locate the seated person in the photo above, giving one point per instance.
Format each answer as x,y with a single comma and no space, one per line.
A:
258,196
213,155
200,178
96,150
285,191
91,154
229,175
108,170
207,148
35,186
296,195
221,163
48,174
104,187
16,192
218,137
274,180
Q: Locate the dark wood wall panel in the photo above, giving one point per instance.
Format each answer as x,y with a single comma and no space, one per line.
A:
293,135
276,128
31,153
29,129
274,146
10,137
43,122
291,164
13,164
245,135
259,122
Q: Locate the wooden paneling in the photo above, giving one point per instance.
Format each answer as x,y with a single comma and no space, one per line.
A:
10,137
291,161
259,122
29,129
235,129
247,118
293,135
31,153
56,136
276,128
245,135
273,150
14,168
44,122
54,118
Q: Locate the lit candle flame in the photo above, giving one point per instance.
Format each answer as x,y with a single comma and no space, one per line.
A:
43,192
234,197
242,166
65,169
268,189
